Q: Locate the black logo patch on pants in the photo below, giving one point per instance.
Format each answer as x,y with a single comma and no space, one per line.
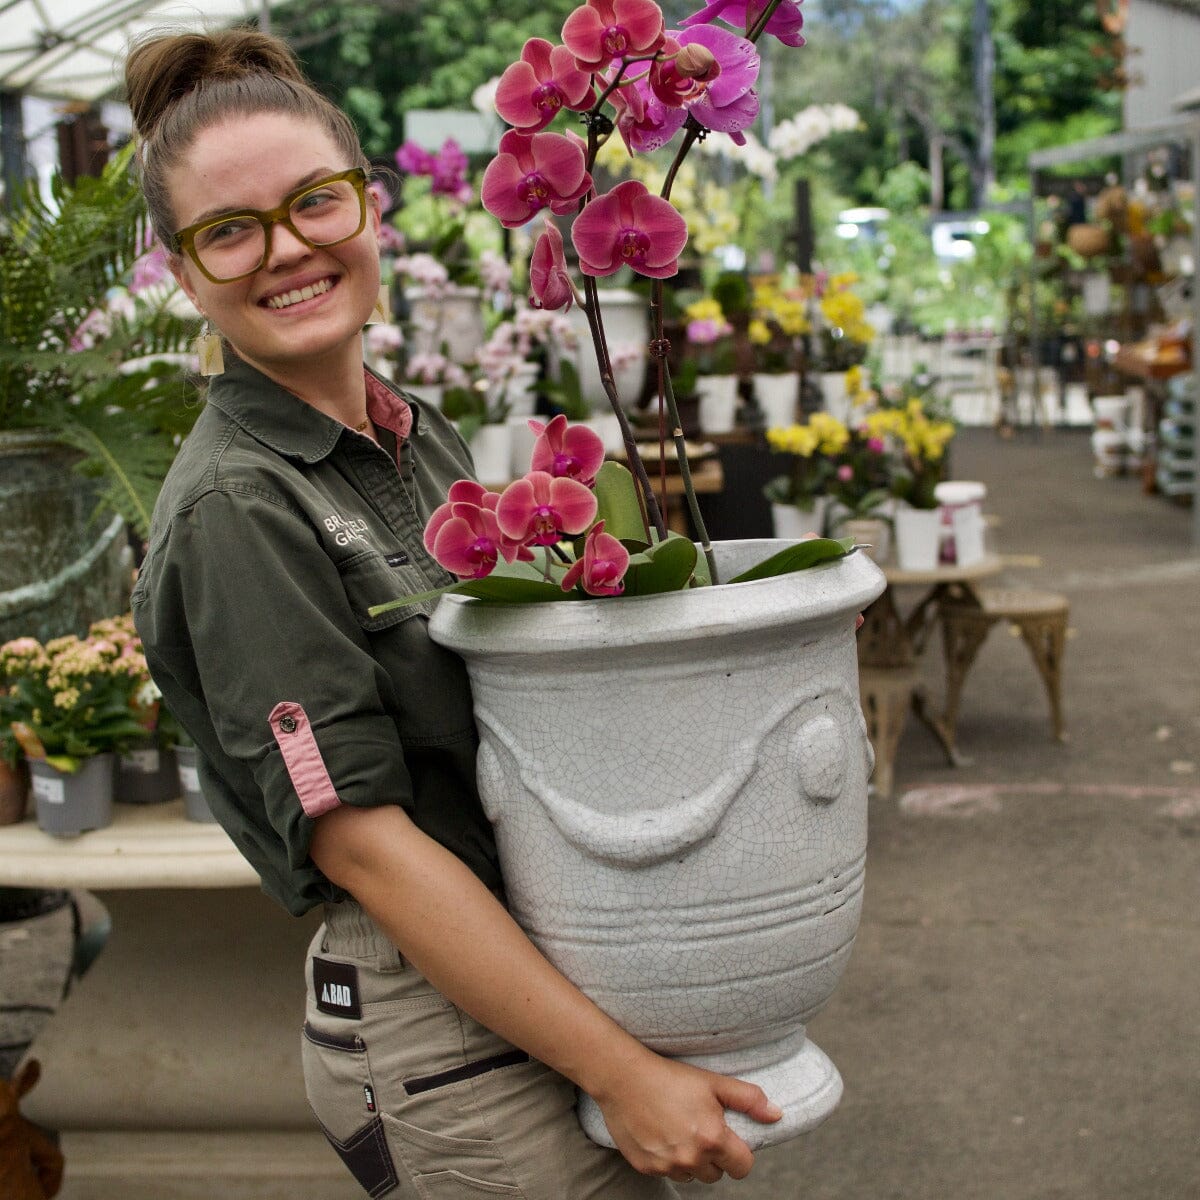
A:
336,988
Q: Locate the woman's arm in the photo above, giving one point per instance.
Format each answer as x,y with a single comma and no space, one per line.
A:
667,1118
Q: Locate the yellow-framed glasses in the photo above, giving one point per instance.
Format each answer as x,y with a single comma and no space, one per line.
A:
236,244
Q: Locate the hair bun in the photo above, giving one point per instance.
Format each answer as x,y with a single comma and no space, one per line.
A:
164,68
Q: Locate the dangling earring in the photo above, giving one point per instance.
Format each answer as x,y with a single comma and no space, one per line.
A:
209,351
381,314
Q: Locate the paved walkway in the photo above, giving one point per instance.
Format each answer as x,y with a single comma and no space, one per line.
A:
1019,1018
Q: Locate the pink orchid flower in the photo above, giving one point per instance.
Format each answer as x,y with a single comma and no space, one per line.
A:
464,536
566,451
677,76
629,226
549,282
531,92
602,568
532,172
785,22
644,122
414,159
538,509
728,104
602,30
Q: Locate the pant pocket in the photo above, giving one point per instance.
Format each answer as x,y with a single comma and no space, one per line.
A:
444,1167
337,1081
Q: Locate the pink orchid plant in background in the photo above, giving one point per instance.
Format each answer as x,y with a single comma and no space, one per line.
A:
577,526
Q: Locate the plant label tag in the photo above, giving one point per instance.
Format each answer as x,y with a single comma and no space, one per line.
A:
52,791
143,761
190,778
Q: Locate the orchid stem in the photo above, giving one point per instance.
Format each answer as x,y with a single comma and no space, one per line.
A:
667,393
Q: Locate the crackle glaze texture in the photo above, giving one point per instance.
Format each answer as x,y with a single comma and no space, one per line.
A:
679,789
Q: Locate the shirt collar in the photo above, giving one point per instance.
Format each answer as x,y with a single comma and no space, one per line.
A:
282,421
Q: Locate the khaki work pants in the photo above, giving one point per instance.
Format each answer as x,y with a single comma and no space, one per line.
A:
424,1103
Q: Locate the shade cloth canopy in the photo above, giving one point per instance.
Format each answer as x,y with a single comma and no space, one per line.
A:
74,49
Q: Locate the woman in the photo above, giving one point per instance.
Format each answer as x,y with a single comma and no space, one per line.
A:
338,750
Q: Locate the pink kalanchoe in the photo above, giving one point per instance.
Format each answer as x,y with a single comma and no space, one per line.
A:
464,536
531,92
532,172
538,509
644,122
570,451
602,30
785,22
601,570
549,281
629,227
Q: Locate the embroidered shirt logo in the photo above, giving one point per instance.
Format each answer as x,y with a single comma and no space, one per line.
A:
346,531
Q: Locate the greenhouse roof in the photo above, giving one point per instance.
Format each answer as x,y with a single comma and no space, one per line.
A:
73,49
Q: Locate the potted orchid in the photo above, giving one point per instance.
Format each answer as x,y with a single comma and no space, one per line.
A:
616,854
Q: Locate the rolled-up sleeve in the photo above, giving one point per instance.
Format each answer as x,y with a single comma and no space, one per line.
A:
250,618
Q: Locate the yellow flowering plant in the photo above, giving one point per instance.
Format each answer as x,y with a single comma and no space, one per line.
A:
845,334
74,697
814,446
919,443
777,323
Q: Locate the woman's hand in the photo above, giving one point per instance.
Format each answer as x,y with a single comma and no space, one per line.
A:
668,1118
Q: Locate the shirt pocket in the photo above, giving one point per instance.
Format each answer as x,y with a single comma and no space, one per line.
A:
380,577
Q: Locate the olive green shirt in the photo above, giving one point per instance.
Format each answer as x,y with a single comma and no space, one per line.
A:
275,532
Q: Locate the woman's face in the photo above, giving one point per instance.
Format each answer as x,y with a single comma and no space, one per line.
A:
255,162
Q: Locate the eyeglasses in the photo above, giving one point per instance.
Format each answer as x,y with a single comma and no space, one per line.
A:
235,245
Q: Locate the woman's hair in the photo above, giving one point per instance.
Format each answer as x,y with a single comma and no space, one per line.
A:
178,84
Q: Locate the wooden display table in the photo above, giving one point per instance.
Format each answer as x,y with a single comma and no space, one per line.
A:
185,1033
888,649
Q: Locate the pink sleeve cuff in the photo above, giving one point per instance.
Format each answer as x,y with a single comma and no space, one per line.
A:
302,757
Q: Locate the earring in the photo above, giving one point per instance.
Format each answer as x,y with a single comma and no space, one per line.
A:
381,314
209,351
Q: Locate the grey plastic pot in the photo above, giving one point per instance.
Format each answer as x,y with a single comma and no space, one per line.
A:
70,804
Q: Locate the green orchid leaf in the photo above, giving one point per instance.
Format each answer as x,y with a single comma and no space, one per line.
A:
666,567
798,557
617,504
505,589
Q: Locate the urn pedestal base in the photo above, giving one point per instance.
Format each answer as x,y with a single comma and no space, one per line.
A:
800,1077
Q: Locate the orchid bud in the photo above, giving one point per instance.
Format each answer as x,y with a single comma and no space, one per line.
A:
695,61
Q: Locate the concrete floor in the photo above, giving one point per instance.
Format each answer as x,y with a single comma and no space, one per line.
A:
1019,1017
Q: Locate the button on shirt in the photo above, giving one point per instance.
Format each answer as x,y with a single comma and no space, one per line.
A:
276,531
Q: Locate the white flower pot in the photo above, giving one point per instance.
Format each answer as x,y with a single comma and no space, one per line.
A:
607,428
871,533
835,400
718,402
678,785
793,522
523,439
626,324
777,396
492,451
918,537
454,318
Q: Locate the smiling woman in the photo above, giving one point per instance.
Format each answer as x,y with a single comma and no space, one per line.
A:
338,747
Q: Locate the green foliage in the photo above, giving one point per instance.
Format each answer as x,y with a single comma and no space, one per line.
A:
115,397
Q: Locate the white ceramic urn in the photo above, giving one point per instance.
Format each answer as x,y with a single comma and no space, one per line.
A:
678,785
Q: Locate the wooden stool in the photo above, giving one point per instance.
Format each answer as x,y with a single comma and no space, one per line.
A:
886,695
1039,617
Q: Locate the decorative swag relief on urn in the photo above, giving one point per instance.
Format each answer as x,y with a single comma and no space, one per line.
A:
678,786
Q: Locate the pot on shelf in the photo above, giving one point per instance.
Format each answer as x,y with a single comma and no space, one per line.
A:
678,785
70,803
